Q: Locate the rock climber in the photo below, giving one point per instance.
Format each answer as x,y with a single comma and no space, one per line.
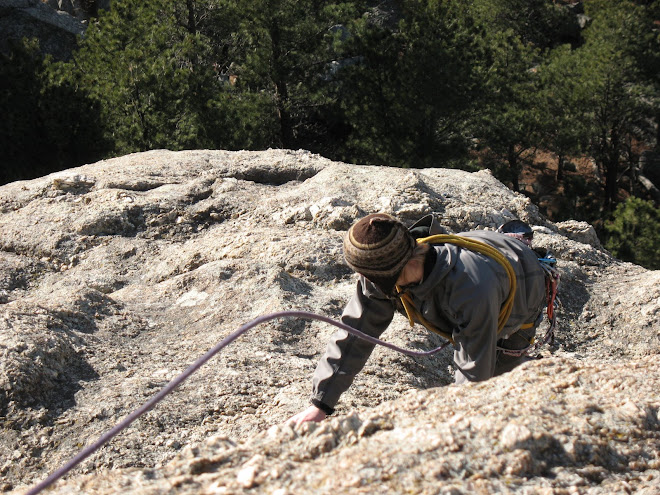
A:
453,288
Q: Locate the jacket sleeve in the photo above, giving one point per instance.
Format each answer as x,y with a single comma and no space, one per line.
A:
368,311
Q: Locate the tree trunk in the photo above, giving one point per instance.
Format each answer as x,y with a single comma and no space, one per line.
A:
192,25
611,185
611,170
281,89
560,168
513,166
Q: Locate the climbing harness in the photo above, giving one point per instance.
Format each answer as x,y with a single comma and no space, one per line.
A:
548,263
150,404
473,245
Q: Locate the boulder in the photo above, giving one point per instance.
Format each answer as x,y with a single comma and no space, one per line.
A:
117,275
56,30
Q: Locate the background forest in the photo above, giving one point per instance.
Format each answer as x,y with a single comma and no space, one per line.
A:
561,99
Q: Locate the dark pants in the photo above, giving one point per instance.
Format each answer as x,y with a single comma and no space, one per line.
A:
519,340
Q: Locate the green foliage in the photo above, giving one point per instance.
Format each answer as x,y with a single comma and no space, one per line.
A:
538,23
289,47
407,92
563,98
143,68
45,125
412,83
597,100
510,121
210,73
515,117
633,234
619,104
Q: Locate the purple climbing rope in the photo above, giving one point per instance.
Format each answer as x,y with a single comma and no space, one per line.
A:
151,403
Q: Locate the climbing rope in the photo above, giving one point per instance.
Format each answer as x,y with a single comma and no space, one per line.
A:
473,245
150,404
551,278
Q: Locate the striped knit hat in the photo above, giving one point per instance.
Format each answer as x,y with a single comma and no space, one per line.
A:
378,247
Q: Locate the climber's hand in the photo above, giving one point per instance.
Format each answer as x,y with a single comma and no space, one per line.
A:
312,413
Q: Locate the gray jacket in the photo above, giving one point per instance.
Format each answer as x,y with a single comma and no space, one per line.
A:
462,295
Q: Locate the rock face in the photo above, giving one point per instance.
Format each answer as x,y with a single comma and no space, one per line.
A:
56,30
83,10
116,276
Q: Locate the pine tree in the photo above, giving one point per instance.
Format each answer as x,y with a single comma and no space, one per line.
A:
409,88
152,75
633,233
211,73
541,24
290,48
510,123
563,98
514,117
620,104
46,124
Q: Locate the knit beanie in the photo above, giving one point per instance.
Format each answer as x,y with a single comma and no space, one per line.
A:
378,247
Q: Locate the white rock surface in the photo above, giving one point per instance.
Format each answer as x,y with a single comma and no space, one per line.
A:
116,276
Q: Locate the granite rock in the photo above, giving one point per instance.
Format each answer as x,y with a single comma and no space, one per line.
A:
117,275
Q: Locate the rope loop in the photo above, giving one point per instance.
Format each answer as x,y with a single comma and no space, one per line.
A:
151,403
476,246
